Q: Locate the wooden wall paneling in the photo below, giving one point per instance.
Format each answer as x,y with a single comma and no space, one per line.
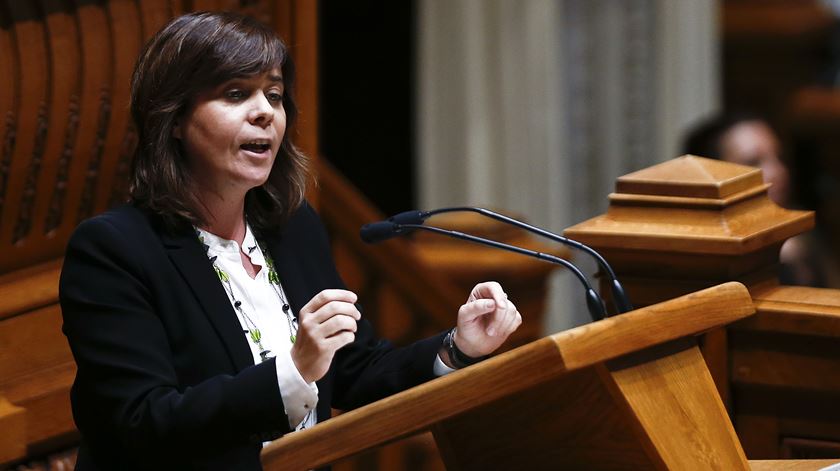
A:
124,16
30,75
8,103
784,365
803,448
208,5
177,7
13,424
281,19
304,46
41,384
94,110
63,119
154,14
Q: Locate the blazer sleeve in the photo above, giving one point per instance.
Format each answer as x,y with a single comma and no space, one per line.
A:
127,391
369,368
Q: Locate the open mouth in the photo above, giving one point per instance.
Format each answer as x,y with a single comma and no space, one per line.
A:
256,147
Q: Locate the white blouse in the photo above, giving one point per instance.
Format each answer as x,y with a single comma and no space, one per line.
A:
262,305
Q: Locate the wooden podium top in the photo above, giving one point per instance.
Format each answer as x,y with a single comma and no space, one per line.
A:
419,408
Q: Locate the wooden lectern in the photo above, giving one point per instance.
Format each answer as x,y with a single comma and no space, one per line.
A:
627,392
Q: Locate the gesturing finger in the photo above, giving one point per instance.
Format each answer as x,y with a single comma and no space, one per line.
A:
336,324
509,319
474,309
489,290
329,295
330,310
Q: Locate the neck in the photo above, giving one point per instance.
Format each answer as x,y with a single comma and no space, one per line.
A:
225,217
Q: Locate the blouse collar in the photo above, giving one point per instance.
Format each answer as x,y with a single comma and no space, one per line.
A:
218,246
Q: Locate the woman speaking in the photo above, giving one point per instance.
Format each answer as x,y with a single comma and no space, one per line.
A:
206,315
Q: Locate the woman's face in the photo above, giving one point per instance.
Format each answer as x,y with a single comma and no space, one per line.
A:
231,134
755,144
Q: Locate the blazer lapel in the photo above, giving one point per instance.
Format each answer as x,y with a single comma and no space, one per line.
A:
189,258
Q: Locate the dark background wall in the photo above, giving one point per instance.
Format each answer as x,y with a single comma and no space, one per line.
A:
367,60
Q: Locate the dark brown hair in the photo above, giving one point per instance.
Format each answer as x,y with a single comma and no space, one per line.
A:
191,54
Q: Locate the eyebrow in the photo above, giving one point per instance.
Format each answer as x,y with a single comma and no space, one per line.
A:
276,78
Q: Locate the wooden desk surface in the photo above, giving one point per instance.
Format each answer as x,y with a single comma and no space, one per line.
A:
791,465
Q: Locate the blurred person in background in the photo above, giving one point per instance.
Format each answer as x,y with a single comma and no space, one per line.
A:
747,139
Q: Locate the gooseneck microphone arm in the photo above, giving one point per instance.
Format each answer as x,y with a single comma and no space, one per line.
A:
622,302
378,231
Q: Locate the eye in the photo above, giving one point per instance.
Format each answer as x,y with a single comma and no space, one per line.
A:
274,97
236,94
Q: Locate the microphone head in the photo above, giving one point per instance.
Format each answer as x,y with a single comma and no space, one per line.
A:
408,217
379,231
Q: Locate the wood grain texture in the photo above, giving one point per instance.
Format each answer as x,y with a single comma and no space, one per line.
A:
13,424
790,465
414,410
784,370
507,375
127,39
31,76
796,310
599,341
62,38
678,418
690,176
628,199
723,227
95,49
28,289
570,422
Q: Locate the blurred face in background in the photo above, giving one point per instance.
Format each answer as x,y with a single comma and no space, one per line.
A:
755,144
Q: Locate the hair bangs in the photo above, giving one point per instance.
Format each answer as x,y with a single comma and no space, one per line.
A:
242,50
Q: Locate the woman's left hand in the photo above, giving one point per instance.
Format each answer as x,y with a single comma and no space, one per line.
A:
486,320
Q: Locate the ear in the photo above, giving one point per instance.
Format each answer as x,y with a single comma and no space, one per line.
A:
176,131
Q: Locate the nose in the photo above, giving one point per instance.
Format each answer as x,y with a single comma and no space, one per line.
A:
261,112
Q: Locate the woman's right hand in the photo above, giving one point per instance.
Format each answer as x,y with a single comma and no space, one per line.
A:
326,323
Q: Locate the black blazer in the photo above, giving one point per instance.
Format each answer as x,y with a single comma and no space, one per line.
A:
165,376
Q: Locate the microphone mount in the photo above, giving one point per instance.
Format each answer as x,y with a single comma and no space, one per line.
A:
381,230
622,302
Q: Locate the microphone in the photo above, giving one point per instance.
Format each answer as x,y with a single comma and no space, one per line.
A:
620,299
382,230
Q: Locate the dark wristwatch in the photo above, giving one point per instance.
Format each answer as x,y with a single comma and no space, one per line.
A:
458,358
